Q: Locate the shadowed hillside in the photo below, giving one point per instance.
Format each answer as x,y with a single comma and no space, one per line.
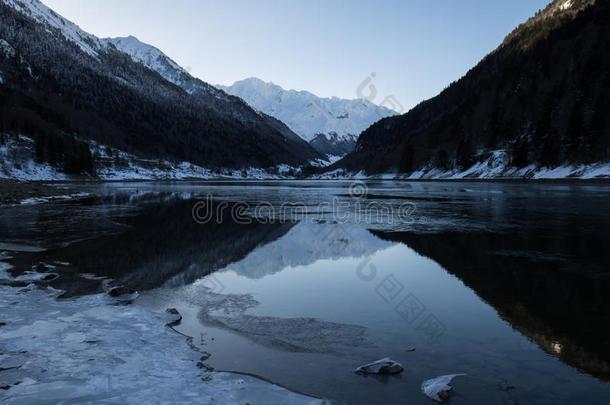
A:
542,98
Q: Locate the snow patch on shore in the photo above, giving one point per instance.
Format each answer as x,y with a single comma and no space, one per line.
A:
183,171
494,165
17,162
42,200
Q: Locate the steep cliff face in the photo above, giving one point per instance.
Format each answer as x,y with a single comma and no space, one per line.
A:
542,98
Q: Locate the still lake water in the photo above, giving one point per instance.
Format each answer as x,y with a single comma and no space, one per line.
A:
506,282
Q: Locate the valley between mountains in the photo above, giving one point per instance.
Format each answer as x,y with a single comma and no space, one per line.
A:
75,106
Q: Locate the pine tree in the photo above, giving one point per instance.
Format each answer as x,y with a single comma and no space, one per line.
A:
442,159
464,154
406,160
574,134
39,146
520,153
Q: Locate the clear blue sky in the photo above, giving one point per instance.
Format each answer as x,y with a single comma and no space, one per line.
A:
415,47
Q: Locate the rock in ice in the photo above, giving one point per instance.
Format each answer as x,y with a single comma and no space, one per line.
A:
383,366
438,388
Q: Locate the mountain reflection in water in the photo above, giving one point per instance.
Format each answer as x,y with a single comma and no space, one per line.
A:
536,256
162,246
560,304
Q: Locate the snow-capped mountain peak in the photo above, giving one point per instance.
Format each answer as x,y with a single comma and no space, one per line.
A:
140,52
150,57
72,32
111,75
310,116
154,59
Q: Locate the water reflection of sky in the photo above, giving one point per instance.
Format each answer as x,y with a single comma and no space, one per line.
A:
512,276
326,285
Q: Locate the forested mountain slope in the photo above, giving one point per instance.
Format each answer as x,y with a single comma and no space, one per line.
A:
60,86
541,99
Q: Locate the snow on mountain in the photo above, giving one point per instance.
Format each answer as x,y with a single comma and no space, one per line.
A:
307,114
18,162
141,52
337,121
492,165
6,49
149,56
156,60
308,243
41,13
260,140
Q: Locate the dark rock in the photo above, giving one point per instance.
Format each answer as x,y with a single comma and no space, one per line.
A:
382,367
50,277
333,144
443,395
120,290
175,315
41,267
205,367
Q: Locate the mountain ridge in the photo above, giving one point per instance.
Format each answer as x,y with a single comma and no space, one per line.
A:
59,81
340,121
155,59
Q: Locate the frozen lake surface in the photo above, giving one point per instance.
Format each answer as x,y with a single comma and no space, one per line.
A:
306,281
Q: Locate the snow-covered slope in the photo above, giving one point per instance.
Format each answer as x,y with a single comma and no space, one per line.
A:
141,52
307,114
18,162
156,60
41,13
491,165
52,51
149,56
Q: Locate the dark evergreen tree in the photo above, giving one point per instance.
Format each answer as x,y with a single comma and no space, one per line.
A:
442,159
575,133
465,154
39,146
56,88
550,77
407,164
520,153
